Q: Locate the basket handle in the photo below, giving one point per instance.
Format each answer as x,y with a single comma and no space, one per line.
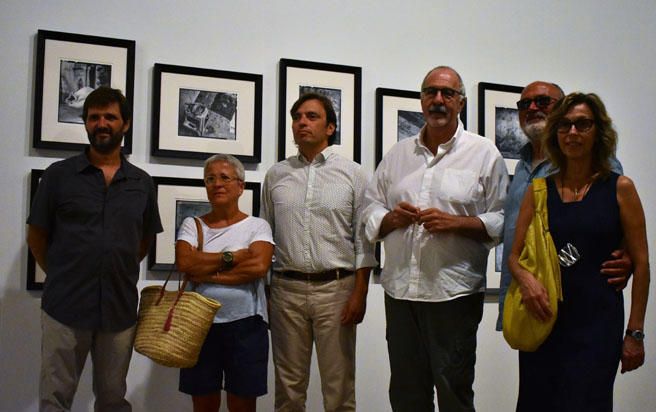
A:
181,288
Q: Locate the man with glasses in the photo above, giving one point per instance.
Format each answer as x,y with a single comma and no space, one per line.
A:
436,201
322,262
536,102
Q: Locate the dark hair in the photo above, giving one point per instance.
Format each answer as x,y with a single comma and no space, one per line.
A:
103,97
331,116
605,141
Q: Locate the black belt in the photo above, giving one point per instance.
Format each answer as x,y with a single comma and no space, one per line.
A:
328,275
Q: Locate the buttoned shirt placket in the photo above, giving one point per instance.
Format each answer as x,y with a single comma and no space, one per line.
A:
423,202
307,213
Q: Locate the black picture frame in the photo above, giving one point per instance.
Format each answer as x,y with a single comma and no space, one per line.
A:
399,116
338,82
68,67
498,119
199,112
494,264
171,191
36,277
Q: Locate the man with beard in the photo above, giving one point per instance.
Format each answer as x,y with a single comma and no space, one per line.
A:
92,220
536,102
437,202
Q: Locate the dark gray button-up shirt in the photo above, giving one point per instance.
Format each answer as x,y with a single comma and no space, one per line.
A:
94,237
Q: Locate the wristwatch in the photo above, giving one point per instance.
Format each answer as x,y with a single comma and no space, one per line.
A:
636,334
227,258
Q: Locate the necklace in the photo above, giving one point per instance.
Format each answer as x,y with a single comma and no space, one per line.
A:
582,190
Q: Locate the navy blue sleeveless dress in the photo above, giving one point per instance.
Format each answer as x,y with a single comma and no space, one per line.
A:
575,368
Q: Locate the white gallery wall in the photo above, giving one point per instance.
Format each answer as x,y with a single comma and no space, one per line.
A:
601,46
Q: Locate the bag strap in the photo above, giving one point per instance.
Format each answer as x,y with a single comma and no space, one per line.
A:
181,288
199,232
540,200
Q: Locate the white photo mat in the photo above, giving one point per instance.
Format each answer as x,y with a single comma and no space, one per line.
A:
347,79
169,139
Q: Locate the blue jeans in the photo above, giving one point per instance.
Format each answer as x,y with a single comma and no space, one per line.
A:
432,345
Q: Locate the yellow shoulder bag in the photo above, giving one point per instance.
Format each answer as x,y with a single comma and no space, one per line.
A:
521,330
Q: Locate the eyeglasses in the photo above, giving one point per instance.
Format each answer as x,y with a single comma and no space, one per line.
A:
541,102
582,125
447,92
210,180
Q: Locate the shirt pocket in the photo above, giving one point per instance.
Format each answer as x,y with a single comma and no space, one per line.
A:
460,186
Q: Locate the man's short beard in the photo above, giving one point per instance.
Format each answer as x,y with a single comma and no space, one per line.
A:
106,146
534,130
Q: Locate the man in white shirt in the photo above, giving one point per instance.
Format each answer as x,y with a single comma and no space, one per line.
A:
322,262
437,202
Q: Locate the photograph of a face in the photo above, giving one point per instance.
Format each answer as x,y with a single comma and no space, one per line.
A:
508,136
76,80
207,114
335,96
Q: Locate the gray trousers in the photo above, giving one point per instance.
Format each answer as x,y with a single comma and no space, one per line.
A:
432,345
64,351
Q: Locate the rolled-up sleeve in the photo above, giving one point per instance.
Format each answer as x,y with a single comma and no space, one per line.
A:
375,204
496,187
364,248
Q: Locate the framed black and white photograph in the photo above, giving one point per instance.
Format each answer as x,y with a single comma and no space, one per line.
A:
68,68
35,275
498,119
341,84
179,198
200,112
398,117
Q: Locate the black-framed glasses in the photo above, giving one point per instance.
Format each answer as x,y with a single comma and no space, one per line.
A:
211,180
541,102
447,92
582,125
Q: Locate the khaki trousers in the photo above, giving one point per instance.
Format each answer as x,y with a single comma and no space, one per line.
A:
303,313
64,351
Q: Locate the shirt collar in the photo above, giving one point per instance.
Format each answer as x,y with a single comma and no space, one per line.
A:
82,163
444,147
526,152
320,158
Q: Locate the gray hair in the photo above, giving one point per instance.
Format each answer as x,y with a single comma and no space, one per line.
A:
230,159
462,84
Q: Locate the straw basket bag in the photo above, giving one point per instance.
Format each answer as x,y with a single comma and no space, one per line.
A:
172,325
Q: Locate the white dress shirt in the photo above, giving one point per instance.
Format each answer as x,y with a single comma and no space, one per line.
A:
314,209
467,177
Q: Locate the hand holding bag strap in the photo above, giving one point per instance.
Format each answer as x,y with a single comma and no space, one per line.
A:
521,330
